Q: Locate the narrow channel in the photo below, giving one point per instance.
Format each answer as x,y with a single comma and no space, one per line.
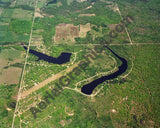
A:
88,88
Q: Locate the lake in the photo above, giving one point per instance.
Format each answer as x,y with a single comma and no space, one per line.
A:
88,88
63,58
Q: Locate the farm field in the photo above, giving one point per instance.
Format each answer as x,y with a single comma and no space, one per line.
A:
11,66
79,64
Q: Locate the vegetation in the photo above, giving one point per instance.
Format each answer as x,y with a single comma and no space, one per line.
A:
6,91
26,7
5,3
20,26
145,26
20,65
131,100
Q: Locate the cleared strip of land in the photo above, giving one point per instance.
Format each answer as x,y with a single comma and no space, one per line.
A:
47,81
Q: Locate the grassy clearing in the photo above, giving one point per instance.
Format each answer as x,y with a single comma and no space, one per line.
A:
7,13
26,4
20,26
10,75
10,54
22,14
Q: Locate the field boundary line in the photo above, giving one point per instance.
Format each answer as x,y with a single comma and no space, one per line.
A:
21,80
137,44
111,44
94,44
